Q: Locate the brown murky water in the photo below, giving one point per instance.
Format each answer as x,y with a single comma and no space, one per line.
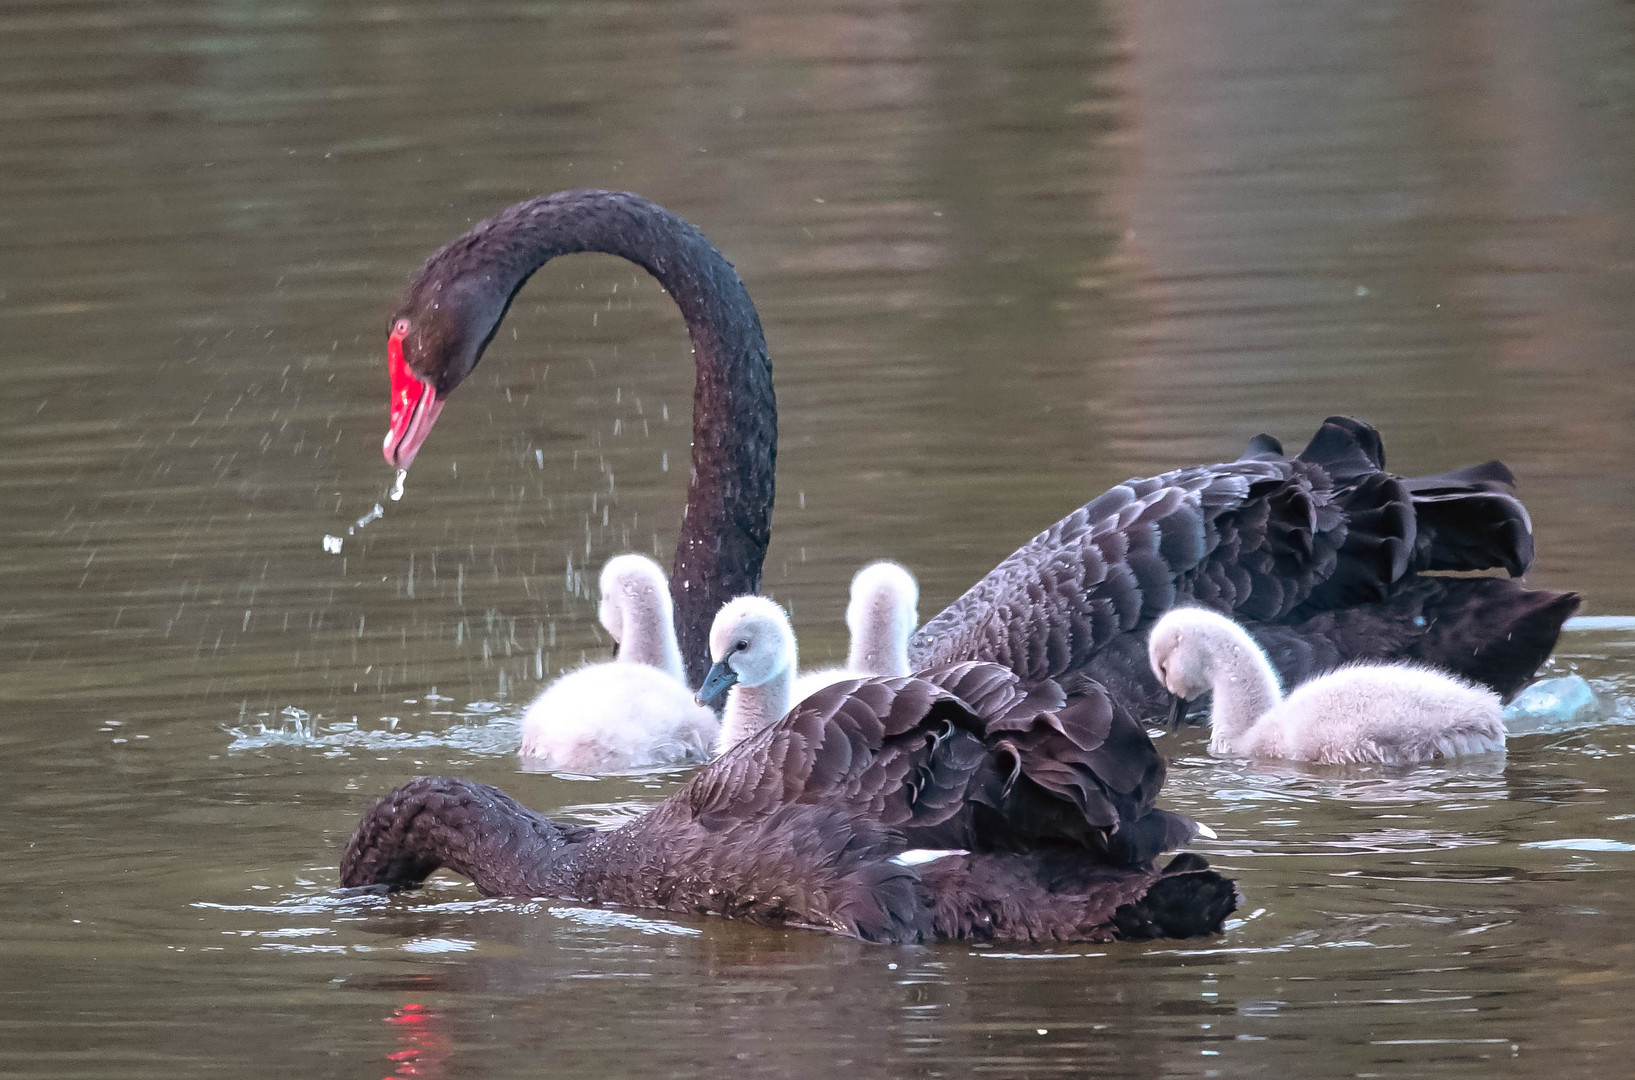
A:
1007,254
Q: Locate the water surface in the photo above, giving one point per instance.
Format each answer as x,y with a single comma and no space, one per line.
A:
1006,255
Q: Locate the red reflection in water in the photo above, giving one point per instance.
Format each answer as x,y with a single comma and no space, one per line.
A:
423,1044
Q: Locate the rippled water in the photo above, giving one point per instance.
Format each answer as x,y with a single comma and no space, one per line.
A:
1006,255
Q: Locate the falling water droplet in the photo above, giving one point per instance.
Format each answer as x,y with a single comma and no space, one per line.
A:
332,544
397,486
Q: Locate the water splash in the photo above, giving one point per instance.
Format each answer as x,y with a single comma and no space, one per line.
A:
1557,704
1580,843
374,515
604,918
333,544
480,728
1581,624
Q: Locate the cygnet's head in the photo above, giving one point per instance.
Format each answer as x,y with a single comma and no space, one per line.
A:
630,584
751,643
1184,646
881,616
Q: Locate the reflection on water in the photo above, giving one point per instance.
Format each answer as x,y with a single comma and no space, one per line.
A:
1006,255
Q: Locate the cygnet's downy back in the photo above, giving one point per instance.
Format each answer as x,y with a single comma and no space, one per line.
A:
1390,713
634,712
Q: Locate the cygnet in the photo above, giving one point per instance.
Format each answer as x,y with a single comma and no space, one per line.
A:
1390,713
753,650
634,712
881,617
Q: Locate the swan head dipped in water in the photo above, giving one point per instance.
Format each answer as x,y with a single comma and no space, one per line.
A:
1386,713
752,647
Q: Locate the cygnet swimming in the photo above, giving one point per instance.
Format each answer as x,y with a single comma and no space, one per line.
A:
1390,713
753,651
881,617
633,712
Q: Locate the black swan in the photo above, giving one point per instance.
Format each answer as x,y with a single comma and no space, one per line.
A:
1320,554
1396,714
955,804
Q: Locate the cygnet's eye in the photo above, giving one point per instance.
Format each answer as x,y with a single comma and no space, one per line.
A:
740,646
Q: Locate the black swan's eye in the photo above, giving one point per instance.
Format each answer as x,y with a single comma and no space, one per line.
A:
401,328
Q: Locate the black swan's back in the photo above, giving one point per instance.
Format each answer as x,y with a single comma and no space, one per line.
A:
1323,556
1041,802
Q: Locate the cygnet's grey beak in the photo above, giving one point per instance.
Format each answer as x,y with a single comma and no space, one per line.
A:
1177,711
716,683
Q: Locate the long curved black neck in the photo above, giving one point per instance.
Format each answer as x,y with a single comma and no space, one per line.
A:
728,519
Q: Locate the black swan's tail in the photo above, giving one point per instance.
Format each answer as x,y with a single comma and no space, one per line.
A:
1188,900
1490,630
1466,519
473,829
1470,519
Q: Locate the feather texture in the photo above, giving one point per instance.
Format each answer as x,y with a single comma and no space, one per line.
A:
1046,799
1321,555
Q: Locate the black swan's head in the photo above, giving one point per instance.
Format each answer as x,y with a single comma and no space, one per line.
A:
442,324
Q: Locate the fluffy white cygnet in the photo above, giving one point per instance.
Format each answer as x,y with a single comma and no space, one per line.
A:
634,712
635,608
1391,713
881,617
753,649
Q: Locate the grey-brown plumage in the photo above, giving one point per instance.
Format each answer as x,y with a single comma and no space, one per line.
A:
1047,800
1321,555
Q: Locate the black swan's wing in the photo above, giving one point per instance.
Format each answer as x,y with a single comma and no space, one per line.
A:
1268,539
1046,797
963,756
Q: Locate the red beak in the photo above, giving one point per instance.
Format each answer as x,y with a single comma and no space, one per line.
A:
415,406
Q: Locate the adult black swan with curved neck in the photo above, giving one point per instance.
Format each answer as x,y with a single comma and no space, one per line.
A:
956,804
451,309
1321,555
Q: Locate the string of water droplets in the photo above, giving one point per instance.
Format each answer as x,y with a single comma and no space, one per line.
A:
333,544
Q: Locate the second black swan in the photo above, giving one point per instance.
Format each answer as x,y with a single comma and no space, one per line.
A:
1321,555
956,804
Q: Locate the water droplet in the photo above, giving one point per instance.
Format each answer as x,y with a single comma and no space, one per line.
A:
332,544
397,487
